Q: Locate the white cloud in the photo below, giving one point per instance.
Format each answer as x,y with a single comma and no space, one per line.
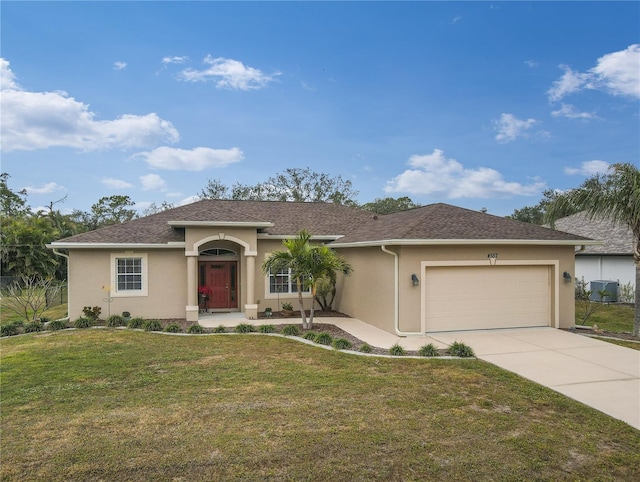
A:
570,112
40,120
509,127
116,183
47,188
7,78
229,74
197,159
435,175
119,65
175,59
617,73
588,168
188,200
532,64
152,182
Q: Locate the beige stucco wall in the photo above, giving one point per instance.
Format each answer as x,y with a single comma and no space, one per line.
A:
369,293
90,273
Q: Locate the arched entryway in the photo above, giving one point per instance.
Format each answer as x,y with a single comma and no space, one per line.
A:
218,278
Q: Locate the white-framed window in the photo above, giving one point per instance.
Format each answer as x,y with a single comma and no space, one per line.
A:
129,274
282,282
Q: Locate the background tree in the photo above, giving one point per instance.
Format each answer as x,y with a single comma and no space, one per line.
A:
615,196
536,214
390,205
157,208
107,211
12,203
297,185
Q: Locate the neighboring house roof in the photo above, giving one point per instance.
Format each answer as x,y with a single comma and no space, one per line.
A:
617,239
352,225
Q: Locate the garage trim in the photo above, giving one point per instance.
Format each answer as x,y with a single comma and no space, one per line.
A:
554,264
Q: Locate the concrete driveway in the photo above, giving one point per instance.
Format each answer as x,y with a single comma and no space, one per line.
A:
596,373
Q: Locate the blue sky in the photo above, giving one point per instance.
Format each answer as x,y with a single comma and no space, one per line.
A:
476,104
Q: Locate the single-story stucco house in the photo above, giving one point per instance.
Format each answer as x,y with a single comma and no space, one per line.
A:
612,259
433,268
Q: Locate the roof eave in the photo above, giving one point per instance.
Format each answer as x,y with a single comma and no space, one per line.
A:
467,242
85,245
224,224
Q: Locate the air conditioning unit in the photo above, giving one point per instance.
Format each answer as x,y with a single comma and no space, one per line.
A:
598,289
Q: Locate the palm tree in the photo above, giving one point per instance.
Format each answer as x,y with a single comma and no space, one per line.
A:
308,264
323,262
616,196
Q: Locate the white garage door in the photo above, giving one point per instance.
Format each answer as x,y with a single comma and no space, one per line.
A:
485,297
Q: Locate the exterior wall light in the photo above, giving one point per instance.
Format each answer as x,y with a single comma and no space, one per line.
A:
566,276
415,280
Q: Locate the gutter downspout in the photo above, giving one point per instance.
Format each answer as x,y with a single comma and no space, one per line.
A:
396,285
58,253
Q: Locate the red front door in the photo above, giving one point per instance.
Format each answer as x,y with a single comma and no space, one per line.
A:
221,277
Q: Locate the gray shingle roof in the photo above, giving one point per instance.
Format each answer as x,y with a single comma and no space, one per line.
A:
436,221
617,239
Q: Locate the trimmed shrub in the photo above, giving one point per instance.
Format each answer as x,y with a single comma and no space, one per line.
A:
220,329
244,328
291,330
195,329
93,313
56,325
135,323
428,350
10,329
114,321
83,322
266,329
342,344
152,325
461,350
323,339
397,350
33,327
366,348
173,328
287,306
44,319
310,335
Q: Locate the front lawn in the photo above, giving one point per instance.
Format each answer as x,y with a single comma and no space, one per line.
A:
108,404
613,317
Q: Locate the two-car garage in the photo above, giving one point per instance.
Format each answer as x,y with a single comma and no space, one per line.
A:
474,297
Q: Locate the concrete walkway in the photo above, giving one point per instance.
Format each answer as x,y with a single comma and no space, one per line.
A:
599,374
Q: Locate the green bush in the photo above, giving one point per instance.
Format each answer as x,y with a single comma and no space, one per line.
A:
310,335
266,329
366,348
10,329
114,321
461,350
323,339
220,329
33,327
135,323
291,330
428,350
44,319
93,313
342,344
287,306
56,325
244,328
195,329
83,322
173,328
152,325
397,350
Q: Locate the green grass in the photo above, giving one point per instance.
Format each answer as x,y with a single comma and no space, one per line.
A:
130,405
610,317
634,345
53,313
